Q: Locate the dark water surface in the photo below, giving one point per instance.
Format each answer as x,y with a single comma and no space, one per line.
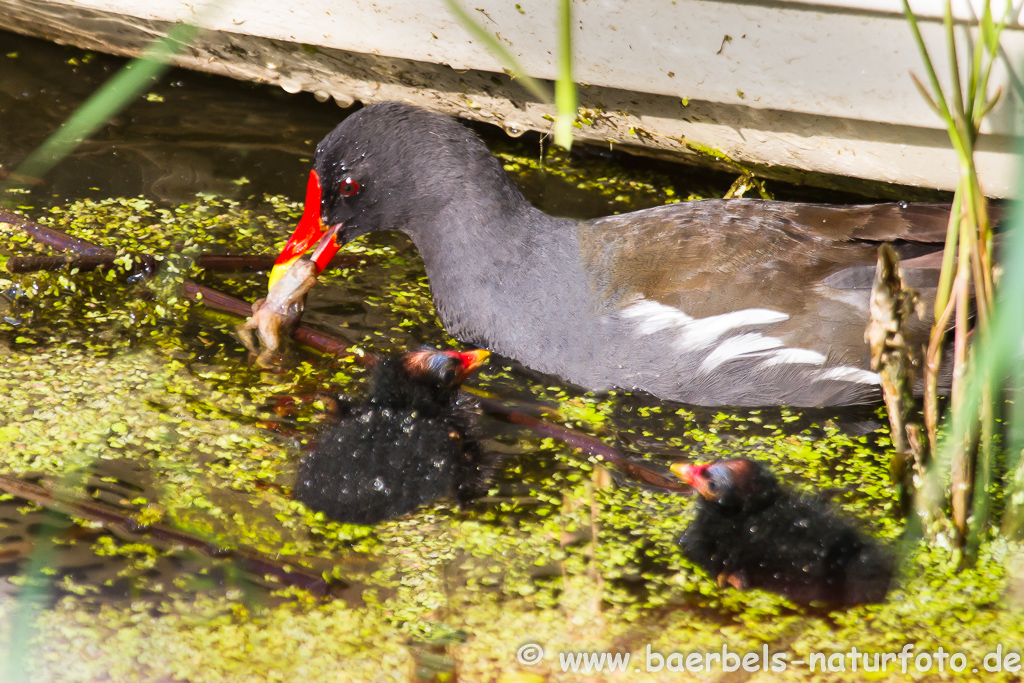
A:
151,406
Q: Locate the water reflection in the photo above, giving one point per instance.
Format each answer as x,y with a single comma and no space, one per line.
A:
192,133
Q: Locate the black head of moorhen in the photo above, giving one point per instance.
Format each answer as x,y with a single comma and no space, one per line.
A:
751,532
714,302
406,445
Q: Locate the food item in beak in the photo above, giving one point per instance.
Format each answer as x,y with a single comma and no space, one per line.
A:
275,317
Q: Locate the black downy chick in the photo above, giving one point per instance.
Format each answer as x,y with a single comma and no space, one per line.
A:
405,446
751,532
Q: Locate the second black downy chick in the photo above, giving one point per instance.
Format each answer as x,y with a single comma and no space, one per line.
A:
405,446
751,532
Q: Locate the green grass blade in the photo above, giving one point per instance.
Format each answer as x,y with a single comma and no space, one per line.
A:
990,33
975,93
14,667
116,94
956,89
945,287
498,50
565,86
993,101
927,96
940,99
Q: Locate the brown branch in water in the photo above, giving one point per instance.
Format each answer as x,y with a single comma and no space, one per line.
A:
140,263
217,300
20,179
221,263
584,443
501,405
32,264
234,262
315,339
52,237
113,519
58,239
253,262
86,255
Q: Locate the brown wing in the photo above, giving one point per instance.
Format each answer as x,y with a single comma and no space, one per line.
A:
705,256
812,262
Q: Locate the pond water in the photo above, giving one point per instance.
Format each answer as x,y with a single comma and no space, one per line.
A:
121,391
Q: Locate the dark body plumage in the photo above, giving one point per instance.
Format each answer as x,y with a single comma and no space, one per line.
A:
750,532
715,302
405,446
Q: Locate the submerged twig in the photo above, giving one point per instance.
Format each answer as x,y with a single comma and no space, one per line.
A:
148,264
315,339
85,255
52,237
113,519
194,291
584,442
32,264
499,405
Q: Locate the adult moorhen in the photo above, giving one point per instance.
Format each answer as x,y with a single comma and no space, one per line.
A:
750,532
405,446
714,302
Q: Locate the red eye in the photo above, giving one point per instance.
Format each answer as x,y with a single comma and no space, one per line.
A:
348,187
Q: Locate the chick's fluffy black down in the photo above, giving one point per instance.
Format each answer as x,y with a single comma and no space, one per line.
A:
406,446
770,537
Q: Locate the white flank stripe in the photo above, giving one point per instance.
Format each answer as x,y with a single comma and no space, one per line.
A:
696,333
848,374
655,317
703,332
795,357
738,347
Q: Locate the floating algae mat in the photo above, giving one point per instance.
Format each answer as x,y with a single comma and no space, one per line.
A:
131,395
